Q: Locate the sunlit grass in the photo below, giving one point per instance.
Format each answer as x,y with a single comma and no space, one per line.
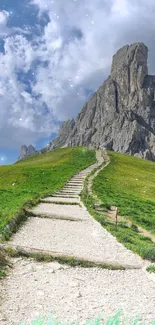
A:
129,183
38,176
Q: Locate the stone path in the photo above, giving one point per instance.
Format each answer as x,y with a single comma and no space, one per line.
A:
75,294
61,226
69,230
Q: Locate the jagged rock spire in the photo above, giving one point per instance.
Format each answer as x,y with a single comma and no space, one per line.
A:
26,152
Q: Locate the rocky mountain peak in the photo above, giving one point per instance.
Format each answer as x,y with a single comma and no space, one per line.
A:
120,116
129,66
63,134
26,152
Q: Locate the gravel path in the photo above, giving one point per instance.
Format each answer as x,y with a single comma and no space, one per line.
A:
85,240
74,294
62,200
55,211
68,293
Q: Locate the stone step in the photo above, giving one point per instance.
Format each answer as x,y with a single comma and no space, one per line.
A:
72,183
82,175
58,211
81,181
33,252
85,240
66,195
61,200
69,193
73,189
79,176
73,186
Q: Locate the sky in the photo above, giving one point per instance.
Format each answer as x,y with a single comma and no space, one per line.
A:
54,54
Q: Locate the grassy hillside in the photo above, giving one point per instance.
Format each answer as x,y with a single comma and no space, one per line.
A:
38,176
129,184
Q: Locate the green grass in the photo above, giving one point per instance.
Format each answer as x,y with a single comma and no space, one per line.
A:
122,184
129,183
25,182
151,268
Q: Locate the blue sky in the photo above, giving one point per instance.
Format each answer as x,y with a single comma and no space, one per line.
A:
54,56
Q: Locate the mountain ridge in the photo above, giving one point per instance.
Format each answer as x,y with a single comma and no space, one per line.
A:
120,116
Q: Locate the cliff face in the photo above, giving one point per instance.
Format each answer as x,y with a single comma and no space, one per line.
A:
120,116
63,135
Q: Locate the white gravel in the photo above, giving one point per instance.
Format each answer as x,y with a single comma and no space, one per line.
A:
85,239
67,195
74,294
57,200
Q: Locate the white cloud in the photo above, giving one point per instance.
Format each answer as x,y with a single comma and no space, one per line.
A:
4,30
3,17
120,8
71,57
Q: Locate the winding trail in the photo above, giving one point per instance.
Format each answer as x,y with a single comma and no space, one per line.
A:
60,226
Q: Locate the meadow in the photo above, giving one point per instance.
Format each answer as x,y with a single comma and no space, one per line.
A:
24,183
129,184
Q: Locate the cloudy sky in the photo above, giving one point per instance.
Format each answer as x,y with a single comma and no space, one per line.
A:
54,54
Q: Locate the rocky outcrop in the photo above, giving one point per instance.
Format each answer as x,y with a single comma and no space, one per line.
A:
120,116
26,152
64,133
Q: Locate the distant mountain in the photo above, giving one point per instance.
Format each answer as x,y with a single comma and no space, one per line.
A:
63,135
26,152
120,116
